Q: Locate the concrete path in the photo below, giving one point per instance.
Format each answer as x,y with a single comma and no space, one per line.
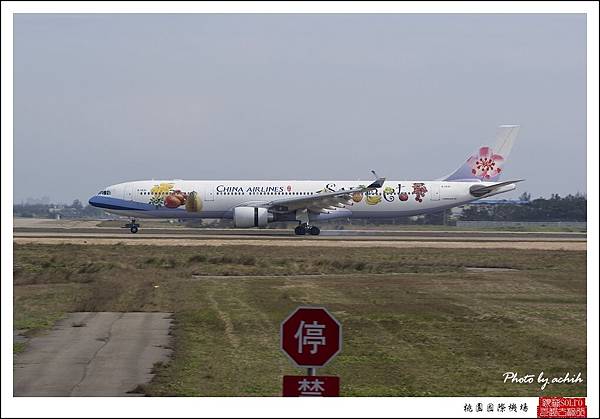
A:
93,354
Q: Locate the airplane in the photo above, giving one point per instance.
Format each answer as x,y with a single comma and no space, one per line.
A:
257,203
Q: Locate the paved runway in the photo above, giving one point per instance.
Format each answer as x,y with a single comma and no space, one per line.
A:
177,236
93,354
276,233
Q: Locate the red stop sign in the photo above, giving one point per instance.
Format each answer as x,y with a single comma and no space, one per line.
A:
311,337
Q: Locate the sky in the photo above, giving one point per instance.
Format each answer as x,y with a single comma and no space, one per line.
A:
105,98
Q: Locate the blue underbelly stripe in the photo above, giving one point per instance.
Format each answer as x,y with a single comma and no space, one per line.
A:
120,204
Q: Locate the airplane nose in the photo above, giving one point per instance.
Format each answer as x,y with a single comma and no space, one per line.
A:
94,201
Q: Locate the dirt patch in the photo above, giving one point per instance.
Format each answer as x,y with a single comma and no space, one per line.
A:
224,317
486,269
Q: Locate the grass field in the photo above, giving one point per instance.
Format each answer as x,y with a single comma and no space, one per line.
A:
415,322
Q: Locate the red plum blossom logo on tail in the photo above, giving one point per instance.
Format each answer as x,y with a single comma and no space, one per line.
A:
485,164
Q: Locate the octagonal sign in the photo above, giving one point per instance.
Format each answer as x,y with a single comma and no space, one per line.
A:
311,337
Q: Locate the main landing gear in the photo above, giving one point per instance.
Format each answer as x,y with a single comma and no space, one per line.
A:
304,226
302,229
132,226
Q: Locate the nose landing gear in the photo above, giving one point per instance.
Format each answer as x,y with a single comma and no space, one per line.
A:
132,226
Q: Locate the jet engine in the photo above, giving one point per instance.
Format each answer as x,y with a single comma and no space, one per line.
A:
245,217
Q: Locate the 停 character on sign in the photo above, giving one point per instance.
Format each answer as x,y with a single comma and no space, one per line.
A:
310,334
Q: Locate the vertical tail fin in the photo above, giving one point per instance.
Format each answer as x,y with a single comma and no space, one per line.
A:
487,163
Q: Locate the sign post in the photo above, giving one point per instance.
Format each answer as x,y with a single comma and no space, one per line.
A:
311,337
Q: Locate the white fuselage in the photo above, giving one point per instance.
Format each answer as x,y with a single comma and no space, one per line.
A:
396,198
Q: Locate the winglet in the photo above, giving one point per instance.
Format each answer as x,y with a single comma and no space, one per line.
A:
378,183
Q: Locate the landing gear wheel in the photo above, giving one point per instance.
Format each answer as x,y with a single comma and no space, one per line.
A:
132,226
314,231
300,230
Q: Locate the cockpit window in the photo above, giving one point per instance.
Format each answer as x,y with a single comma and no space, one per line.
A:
106,192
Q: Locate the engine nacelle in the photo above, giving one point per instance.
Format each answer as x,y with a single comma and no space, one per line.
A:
246,217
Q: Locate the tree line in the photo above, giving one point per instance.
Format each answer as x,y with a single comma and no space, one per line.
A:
556,208
75,210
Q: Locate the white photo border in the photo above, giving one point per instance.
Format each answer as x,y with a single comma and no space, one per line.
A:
280,407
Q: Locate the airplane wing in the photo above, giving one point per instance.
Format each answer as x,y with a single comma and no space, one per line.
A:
321,202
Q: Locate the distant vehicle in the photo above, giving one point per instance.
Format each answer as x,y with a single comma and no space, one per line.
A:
258,203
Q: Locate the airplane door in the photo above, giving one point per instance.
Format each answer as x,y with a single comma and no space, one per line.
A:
128,192
209,194
435,191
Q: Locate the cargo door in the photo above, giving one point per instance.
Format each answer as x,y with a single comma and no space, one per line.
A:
434,193
446,192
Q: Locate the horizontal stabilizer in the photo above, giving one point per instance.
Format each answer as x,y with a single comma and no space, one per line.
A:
481,190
